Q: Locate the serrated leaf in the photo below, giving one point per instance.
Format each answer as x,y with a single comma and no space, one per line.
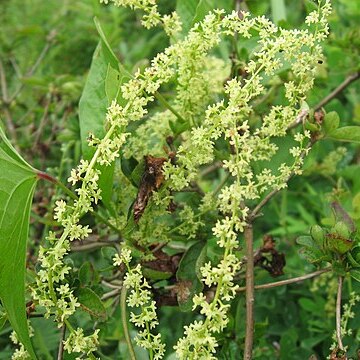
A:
17,185
346,134
91,303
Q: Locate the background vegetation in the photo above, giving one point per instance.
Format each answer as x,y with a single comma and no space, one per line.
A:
46,49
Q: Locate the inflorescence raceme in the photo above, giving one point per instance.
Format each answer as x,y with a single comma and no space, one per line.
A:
198,84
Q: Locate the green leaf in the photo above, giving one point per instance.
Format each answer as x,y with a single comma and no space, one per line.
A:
355,274
112,84
156,274
202,9
310,251
17,185
91,303
186,10
352,261
110,57
188,275
309,305
346,134
331,122
92,110
105,78
3,319
85,273
306,241
278,10
128,166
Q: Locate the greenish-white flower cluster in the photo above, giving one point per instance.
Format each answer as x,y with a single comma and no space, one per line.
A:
152,17
141,297
77,342
199,78
21,353
347,315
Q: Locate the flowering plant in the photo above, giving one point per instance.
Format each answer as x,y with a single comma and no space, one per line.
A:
182,233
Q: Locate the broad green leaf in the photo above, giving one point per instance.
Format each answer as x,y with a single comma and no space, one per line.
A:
93,102
188,275
346,134
278,10
112,84
17,185
91,303
104,80
331,122
92,112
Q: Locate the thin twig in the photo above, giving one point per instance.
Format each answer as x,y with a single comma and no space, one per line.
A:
5,99
287,281
250,297
209,169
41,126
110,294
3,83
299,119
112,285
351,78
125,323
16,67
338,313
61,343
49,41
91,246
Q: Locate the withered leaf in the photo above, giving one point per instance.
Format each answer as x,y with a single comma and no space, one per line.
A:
151,181
268,258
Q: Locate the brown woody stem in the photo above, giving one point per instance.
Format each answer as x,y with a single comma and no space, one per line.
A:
338,313
250,297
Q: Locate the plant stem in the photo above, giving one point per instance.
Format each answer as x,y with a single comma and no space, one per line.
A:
351,78
61,344
338,313
288,281
125,323
168,106
250,297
